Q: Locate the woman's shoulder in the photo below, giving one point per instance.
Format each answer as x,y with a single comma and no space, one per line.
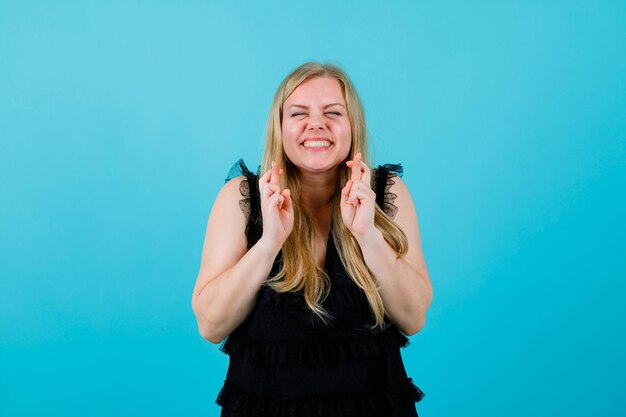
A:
239,179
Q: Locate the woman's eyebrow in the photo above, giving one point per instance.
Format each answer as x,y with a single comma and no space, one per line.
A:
306,107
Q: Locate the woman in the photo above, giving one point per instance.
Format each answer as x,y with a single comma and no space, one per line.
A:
316,283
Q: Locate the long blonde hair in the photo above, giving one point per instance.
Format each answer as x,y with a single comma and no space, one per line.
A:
299,269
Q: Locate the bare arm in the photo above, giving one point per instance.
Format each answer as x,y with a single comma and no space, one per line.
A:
406,289
229,278
405,286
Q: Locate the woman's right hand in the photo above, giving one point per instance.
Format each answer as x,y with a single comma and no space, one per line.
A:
276,208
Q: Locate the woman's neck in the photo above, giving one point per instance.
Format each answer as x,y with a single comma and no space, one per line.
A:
317,190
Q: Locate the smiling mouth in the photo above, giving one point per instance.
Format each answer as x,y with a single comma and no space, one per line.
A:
317,144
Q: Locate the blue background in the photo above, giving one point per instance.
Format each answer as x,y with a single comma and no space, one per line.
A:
119,121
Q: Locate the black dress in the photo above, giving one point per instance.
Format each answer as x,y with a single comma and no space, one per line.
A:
284,362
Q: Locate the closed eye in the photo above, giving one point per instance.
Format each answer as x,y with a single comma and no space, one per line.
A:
334,113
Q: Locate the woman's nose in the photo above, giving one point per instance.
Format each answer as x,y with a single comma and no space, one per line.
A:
316,121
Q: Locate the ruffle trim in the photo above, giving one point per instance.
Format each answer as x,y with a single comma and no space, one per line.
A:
344,405
240,168
249,204
288,352
384,181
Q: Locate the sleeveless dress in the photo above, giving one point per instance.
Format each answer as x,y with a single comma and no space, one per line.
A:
285,362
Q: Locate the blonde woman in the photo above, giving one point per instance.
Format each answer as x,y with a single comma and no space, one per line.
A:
313,290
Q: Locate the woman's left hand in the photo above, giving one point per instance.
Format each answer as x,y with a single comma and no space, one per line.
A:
358,200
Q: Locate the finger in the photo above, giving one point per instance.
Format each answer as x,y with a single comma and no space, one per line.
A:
276,200
275,175
263,182
359,194
367,175
281,201
352,196
268,189
287,204
345,193
356,167
265,177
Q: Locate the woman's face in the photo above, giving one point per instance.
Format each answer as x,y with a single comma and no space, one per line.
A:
316,131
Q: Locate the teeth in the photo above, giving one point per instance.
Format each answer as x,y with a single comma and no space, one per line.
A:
316,144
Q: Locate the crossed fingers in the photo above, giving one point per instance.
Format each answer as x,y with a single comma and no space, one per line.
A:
359,178
269,183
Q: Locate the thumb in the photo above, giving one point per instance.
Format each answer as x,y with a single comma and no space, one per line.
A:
275,200
287,204
281,201
345,192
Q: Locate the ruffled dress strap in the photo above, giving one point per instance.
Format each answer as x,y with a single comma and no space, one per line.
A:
384,179
249,204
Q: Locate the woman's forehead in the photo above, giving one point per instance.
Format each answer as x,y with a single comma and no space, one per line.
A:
325,90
